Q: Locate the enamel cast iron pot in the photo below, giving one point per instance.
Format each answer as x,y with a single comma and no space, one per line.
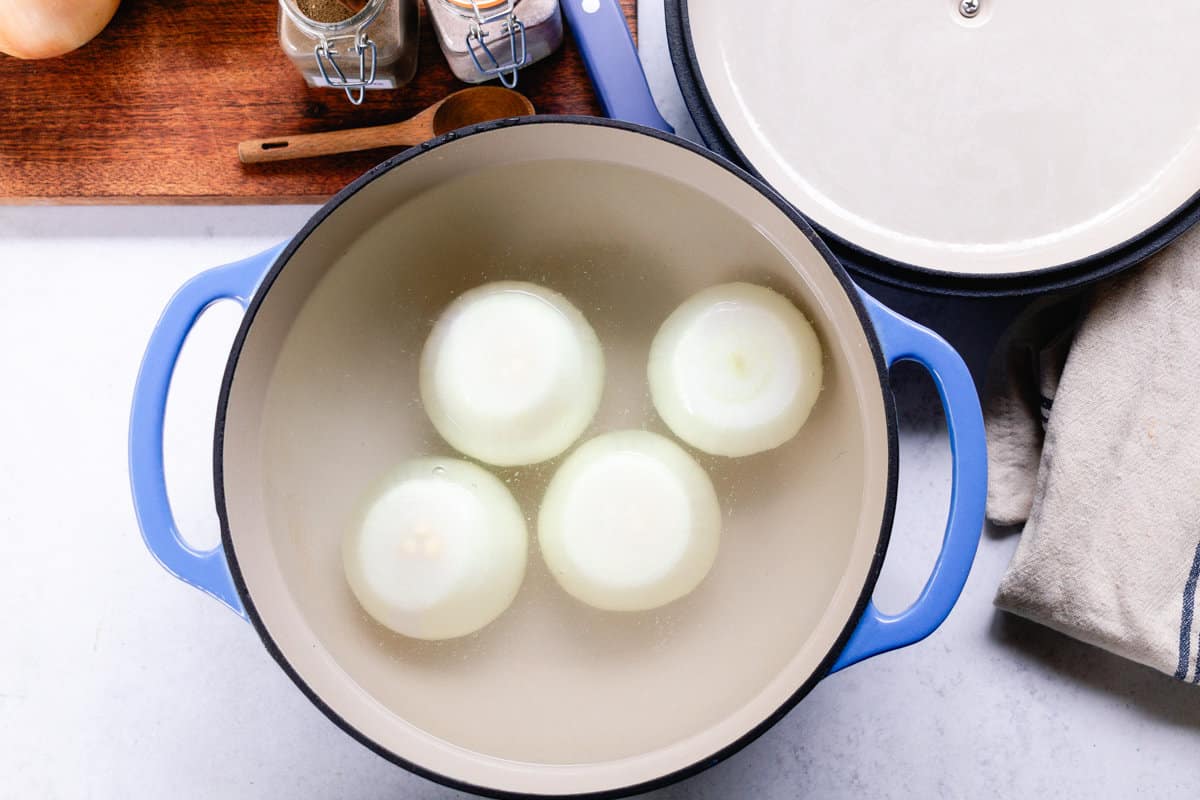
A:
320,398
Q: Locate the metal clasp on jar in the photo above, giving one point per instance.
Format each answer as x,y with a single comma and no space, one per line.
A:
477,45
362,46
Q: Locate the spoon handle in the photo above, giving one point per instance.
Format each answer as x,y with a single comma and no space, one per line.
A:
306,145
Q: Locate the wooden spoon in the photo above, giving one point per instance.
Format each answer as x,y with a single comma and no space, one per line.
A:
466,107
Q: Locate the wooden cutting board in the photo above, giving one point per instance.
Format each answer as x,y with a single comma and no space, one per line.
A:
151,111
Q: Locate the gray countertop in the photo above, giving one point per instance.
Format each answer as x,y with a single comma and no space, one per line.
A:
118,681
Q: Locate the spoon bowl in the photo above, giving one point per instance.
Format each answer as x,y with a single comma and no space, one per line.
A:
475,105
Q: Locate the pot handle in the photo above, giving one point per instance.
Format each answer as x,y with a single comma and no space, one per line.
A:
206,570
612,62
904,340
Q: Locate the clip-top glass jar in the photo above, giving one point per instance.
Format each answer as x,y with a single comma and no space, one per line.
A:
485,39
332,45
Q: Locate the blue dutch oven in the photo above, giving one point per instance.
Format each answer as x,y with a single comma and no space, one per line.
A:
320,397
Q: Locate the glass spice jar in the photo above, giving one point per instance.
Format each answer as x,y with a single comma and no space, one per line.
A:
335,45
486,39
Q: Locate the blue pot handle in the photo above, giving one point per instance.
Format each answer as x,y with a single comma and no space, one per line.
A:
612,62
904,340
206,570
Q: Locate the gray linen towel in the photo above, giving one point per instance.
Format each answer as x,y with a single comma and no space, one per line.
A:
1109,485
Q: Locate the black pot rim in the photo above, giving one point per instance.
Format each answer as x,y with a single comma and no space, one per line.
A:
247,323
886,270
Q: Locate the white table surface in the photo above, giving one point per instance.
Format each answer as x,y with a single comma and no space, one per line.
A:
118,681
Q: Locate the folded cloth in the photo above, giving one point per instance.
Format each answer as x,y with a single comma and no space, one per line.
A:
1021,386
1109,488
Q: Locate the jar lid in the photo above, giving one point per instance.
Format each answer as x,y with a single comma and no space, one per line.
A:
969,138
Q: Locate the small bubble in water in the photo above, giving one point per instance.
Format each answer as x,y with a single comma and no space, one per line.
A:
439,470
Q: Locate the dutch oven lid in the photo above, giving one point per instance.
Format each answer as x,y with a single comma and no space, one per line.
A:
997,146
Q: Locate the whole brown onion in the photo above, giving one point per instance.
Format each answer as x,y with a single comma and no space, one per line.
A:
49,28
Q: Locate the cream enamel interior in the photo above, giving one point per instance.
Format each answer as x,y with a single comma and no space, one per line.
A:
1029,137
553,697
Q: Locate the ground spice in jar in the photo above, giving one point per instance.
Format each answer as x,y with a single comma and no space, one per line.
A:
454,20
328,10
389,27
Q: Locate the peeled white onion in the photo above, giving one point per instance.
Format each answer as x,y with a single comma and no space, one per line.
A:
629,522
735,370
512,373
49,28
440,550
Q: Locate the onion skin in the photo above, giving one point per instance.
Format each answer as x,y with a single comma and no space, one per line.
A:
32,29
